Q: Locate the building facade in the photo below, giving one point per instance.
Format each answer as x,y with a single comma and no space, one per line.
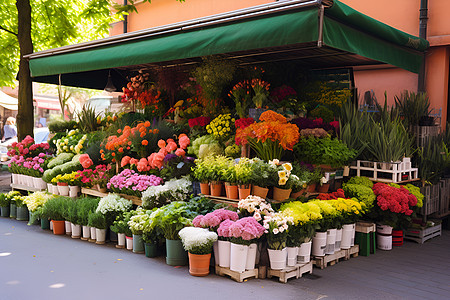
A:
400,14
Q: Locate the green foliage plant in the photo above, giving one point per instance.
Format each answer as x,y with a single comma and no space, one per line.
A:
412,107
363,193
361,180
86,205
55,208
97,220
87,119
172,218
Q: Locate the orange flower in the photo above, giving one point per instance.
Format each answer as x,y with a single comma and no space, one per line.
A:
113,154
147,124
119,130
129,143
270,115
120,150
144,142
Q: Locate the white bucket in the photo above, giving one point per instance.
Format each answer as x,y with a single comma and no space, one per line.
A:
224,253
292,253
121,239
76,231
384,229
319,243
347,233
238,257
384,242
251,256
100,235
277,259
331,241
86,232
337,245
304,253
129,241
68,227
93,234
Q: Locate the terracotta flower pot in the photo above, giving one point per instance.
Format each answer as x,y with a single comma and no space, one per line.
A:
216,188
59,227
244,191
323,188
260,191
297,194
199,264
311,188
232,191
281,194
204,188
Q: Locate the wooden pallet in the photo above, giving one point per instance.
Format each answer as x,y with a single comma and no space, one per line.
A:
290,272
352,252
332,259
422,235
15,186
239,277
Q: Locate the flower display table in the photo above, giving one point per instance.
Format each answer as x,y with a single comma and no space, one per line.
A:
291,272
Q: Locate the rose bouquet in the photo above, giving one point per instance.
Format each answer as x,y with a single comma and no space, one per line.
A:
276,229
131,183
255,207
270,137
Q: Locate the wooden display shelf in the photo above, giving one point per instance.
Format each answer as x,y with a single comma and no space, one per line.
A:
234,202
96,193
352,252
22,187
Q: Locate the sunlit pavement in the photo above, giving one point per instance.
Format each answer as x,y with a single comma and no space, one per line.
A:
35,264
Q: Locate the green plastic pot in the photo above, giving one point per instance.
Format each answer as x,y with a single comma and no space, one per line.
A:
22,213
30,218
138,243
176,255
5,211
12,211
151,250
45,224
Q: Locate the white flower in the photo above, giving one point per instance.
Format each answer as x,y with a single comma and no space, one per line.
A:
285,226
323,180
257,216
195,238
281,229
275,231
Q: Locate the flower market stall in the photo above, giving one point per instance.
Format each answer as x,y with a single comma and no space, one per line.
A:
264,169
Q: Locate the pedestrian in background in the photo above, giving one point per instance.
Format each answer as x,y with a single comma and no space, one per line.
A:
10,130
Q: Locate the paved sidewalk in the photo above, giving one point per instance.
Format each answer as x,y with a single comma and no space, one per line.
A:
36,264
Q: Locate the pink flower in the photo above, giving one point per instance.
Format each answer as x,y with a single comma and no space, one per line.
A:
184,141
180,152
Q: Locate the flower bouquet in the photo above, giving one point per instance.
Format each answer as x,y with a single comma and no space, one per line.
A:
214,219
131,183
270,137
254,206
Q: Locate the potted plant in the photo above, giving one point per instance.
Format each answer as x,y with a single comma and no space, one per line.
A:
198,242
243,233
325,225
261,177
216,165
85,206
136,224
63,186
281,181
244,176
120,226
229,176
313,179
73,218
201,173
22,210
277,226
5,205
12,206
152,237
171,218
112,205
35,201
54,209
98,221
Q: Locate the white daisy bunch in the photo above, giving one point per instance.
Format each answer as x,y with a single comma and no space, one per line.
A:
197,240
113,203
277,223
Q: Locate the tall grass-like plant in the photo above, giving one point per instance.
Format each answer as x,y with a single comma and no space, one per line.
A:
87,119
86,205
431,160
412,107
55,208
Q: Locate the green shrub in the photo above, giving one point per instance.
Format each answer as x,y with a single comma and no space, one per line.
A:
4,201
97,220
362,193
322,112
86,205
55,208
361,180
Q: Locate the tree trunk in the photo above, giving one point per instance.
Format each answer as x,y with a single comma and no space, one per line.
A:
25,116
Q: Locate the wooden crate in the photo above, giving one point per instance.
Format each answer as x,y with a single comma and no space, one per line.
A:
290,272
386,172
365,227
352,252
444,197
431,200
424,133
239,277
424,234
332,259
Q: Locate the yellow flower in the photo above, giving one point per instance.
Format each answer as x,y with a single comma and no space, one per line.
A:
287,166
282,181
282,174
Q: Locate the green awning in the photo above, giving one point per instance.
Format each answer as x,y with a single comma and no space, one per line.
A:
345,32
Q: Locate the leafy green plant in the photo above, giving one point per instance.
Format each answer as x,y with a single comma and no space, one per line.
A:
72,212
431,161
324,151
97,220
262,173
61,126
322,112
55,208
361,192
361,180
86,205
4,201
244,171
412,106
172,218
